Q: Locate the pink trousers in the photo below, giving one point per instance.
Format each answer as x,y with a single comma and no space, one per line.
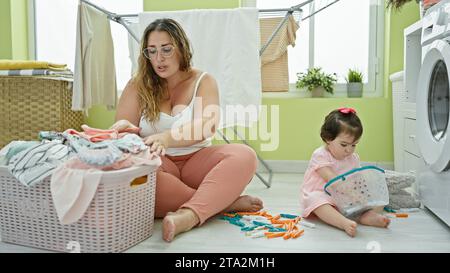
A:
207,181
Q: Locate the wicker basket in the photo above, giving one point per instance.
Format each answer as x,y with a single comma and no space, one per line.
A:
119,216
29,105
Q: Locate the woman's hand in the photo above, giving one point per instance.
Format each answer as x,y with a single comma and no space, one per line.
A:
158,143
122,125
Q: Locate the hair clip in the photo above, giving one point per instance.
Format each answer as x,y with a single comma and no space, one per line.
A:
347,110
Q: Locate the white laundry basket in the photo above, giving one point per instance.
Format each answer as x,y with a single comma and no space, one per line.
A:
119,216
358,190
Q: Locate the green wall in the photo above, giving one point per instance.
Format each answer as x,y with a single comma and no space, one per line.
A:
301,119
19,29
5,30
13,29
396,22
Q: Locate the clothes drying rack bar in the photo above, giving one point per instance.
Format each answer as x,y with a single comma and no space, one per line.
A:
123,19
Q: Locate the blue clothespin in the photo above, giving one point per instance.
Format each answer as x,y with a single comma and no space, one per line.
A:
388,209
288,216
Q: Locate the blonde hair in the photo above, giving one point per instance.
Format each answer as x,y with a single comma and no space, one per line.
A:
151,88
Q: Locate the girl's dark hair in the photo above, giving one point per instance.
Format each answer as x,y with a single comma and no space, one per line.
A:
338,122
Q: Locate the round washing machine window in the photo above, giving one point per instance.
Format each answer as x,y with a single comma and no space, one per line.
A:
438,100
433,105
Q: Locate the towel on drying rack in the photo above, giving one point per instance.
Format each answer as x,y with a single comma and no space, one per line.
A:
230,53
95,73
274,60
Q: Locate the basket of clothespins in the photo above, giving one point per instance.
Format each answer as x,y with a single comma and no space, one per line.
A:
358,190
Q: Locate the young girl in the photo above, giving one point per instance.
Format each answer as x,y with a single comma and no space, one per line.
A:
340,132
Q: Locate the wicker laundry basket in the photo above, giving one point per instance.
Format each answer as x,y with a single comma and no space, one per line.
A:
29,105
119,216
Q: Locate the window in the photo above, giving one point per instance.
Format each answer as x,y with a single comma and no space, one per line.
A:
55,32
346,34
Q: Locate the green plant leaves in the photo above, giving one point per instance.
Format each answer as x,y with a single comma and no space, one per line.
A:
354,75
314,77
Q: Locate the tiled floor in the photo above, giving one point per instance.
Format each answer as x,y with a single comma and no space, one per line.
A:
420,232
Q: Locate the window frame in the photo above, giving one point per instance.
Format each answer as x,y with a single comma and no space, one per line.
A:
374,85
32,37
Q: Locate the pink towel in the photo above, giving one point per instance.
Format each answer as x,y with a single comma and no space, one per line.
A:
96,135
73,187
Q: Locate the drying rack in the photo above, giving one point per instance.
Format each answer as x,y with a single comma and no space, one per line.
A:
296,11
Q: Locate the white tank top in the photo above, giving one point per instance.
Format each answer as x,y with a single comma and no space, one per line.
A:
167,122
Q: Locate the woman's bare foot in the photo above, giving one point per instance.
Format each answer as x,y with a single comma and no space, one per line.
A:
246,203
349,227
176,222
371,218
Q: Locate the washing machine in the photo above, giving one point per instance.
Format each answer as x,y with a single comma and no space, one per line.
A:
432,111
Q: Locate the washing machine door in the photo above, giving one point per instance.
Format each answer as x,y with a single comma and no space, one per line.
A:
432,105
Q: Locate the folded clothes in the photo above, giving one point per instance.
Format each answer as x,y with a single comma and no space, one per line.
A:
107,152
393,178
399,197
13,148
399,192
398,186
36,72
100,157
17,64
109,146
97,135
32,165
403,201
73,184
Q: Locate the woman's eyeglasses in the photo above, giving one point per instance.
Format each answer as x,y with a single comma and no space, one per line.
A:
165,51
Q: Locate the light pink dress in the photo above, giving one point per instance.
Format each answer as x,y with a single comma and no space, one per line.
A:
312,194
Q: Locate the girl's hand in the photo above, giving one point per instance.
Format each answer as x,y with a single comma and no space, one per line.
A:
122,124
158,143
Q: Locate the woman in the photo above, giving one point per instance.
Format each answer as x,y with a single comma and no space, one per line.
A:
177,108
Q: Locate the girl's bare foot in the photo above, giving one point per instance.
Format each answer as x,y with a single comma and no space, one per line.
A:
349,227
246,203
371,218
176,222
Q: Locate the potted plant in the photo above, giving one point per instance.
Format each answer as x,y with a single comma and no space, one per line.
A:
397,4
316,81
354,83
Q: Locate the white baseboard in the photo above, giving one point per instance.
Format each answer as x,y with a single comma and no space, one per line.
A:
299,166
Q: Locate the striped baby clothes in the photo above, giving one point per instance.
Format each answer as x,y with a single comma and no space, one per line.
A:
32,165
